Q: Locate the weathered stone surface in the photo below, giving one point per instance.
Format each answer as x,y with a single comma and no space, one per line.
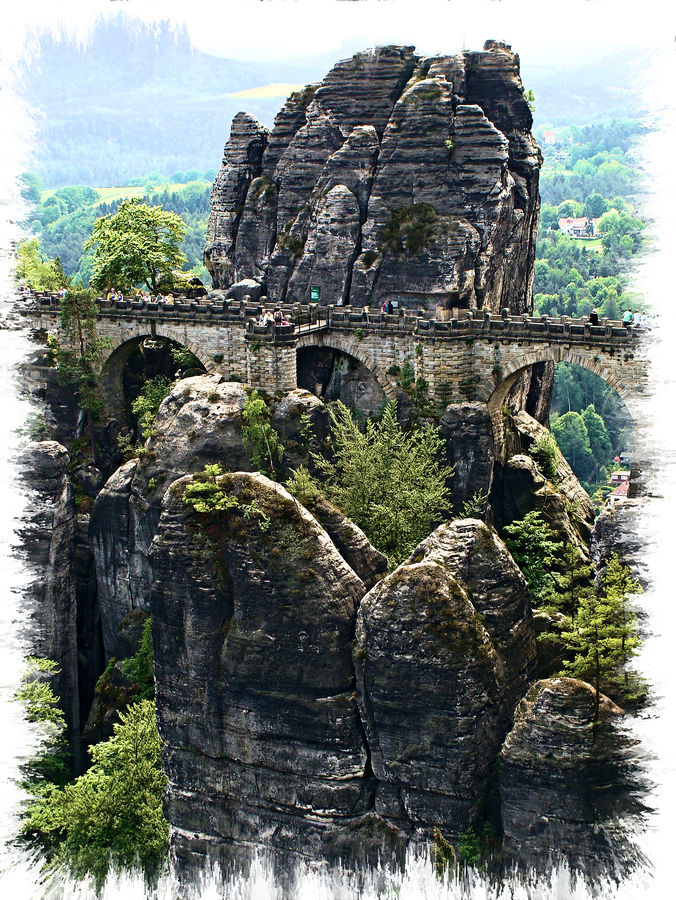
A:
241,163
432,684
467,433
330,248
520,488
561,780
351,542
113,541
475,555
49,538
618,530
451,134
198,423
252,631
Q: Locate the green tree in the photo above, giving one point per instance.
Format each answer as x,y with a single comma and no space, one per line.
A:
573,581
260,438
390,483
571,435
31,189
138,244
78,355
531,542
598,437
604,636
41,705
36,270
139,667
111,815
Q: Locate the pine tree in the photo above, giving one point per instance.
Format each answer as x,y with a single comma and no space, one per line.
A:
531,542
389,482
603,637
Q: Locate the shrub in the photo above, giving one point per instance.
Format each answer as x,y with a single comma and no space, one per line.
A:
409,230
545,452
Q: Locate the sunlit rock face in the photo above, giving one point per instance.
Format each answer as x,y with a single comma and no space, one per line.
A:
397,177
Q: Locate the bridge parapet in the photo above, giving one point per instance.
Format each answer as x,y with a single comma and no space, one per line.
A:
471,356
472,323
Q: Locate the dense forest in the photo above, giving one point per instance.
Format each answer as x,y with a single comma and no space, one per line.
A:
589,172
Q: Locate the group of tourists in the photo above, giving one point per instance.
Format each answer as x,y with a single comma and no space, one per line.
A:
141,296
147,297
636,318
276,317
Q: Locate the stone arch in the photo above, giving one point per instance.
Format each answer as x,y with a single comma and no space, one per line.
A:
351,346
113,366
494,390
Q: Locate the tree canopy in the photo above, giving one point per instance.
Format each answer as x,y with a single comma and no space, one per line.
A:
137,245
389,482
36,270
112,815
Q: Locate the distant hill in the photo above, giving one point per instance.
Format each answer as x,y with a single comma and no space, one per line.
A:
138,100
141,99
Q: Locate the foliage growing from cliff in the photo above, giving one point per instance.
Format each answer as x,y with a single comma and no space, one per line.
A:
139,667
146,405
545,453
137,245
78,355
41,706
259,437
531,542
303,486
390,483
110,817
206,495
302,98
475,507
604,635
409,229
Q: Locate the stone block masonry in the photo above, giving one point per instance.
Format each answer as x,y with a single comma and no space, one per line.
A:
478,357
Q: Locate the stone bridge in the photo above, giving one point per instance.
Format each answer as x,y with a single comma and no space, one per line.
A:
472,356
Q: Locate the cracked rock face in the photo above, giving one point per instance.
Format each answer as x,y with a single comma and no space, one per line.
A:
565,781
397,177
444,646
252,630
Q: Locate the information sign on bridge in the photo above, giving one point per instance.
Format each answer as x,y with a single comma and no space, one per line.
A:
314,293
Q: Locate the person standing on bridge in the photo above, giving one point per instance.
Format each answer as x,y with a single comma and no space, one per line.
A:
594,317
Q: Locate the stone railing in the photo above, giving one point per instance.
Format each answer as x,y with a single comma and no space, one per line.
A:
468,324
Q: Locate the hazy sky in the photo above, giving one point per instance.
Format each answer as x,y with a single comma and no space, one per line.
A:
542,31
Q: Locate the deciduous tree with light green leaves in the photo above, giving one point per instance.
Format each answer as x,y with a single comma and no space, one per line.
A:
389,482
36,270
137,245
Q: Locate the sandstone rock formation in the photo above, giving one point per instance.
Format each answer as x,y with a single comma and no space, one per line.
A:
397,177
49,536
564,780
252,629
199,423
519,487
443,651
